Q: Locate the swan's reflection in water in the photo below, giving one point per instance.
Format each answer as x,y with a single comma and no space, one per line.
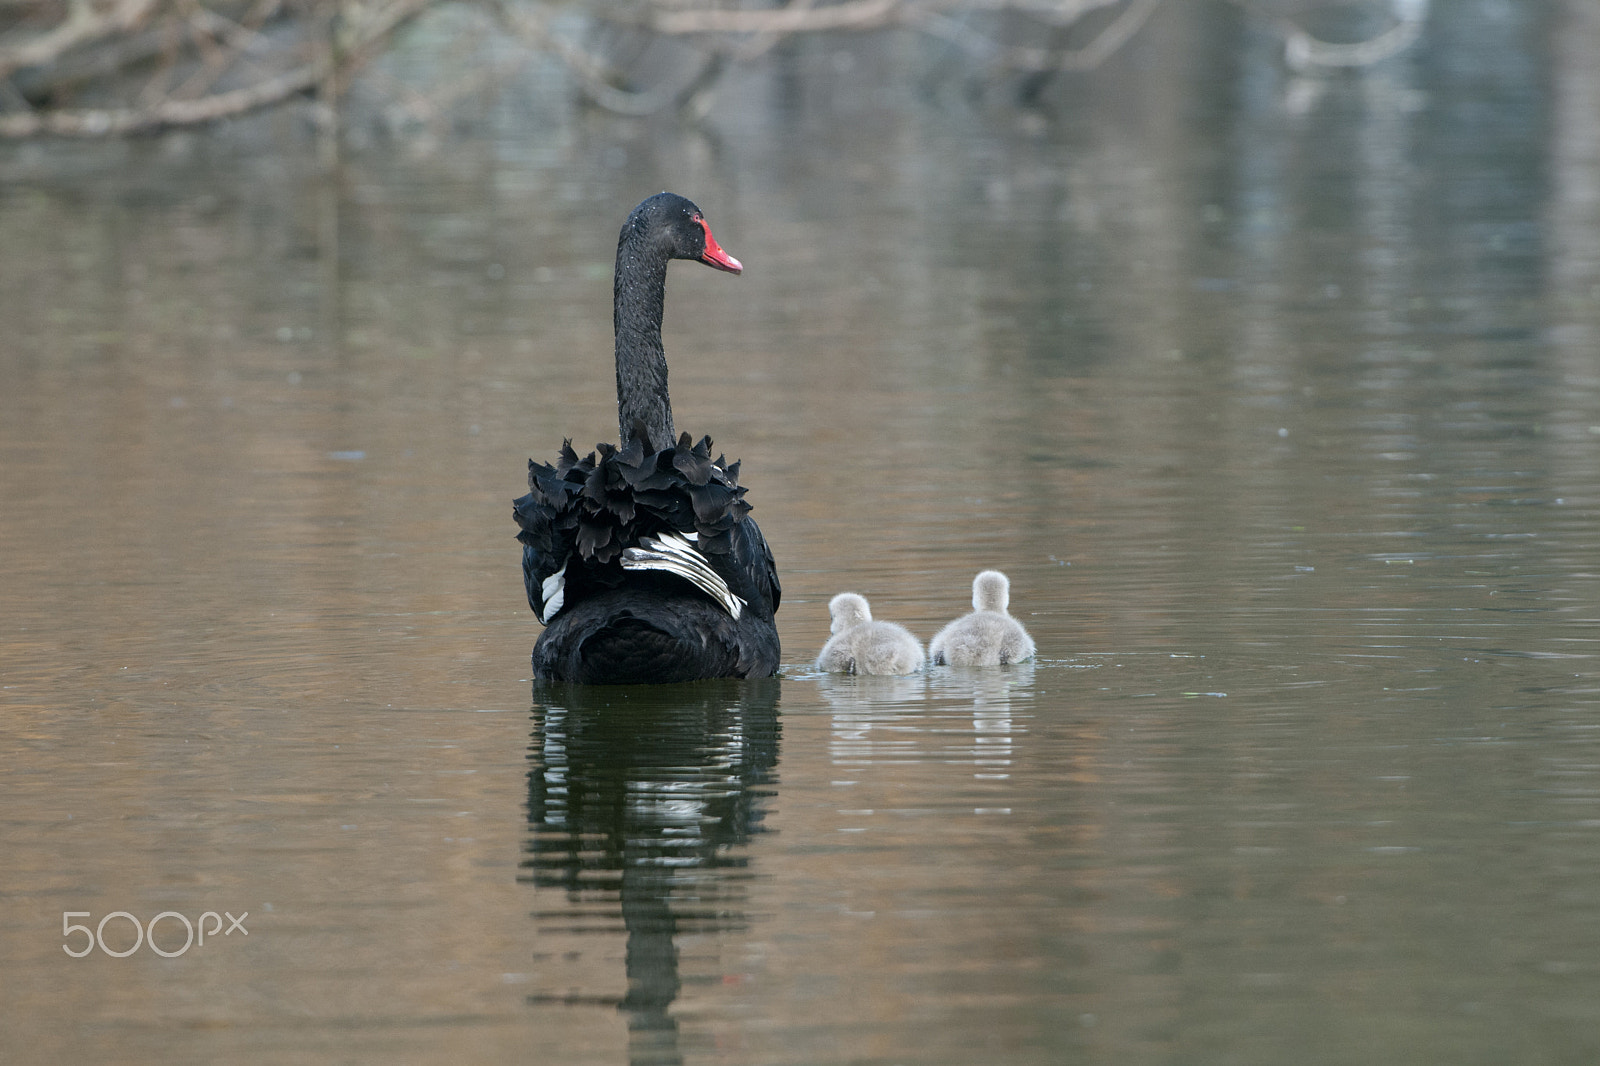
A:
925,716
639,803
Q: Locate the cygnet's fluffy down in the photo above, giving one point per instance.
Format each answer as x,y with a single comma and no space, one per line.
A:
986,637
861,646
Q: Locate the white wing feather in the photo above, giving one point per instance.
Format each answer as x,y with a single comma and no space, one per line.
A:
676,553
554,590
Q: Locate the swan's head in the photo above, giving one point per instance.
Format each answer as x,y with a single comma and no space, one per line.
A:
676,227
991,591
848,611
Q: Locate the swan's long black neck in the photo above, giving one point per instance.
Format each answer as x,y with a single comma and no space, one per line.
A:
640,296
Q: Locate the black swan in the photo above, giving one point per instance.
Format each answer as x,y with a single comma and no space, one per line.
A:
861,646
641,559
986,637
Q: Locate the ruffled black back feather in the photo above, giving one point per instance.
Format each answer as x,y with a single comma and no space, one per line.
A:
582,513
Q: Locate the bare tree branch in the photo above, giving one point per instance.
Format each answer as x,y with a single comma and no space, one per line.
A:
1302,51
593,74
1105,44
796,18
146,64
365,35
83,25
95,122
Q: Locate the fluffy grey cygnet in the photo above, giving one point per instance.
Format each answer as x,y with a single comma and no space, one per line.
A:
986,637
861,646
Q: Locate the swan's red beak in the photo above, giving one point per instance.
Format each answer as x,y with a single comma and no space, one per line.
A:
714,256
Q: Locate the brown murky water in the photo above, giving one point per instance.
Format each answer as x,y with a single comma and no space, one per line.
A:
1278,400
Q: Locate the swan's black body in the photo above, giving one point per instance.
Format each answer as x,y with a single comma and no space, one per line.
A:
642,561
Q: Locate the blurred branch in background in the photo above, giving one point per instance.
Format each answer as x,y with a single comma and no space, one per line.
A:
109,67
137,65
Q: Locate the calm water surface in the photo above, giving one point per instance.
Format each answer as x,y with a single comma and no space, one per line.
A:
1277,398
